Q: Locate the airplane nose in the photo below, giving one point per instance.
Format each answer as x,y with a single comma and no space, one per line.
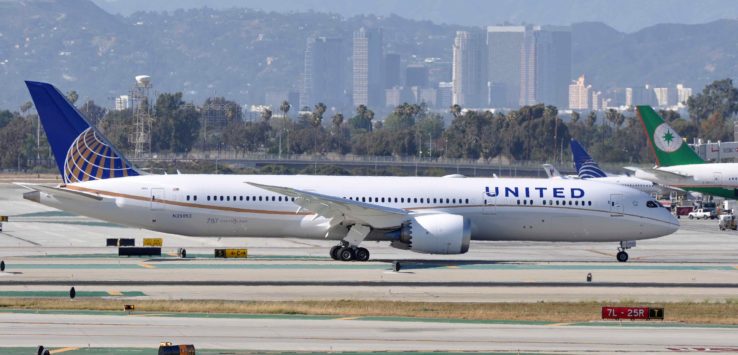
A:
671,223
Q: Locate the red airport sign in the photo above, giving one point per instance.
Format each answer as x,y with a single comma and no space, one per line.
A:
632,313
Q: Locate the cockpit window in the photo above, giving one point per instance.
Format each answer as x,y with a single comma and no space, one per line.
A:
653,204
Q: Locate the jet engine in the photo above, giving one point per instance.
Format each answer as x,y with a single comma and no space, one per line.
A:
433,234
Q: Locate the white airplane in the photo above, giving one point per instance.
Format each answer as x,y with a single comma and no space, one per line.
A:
677,165
587,168
420,214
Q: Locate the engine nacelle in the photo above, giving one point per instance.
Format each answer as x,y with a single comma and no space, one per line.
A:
434,234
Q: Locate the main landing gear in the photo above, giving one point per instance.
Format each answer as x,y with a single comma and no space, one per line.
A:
344,252
622,255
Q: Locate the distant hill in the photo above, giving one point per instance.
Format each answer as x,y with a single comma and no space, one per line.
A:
241,53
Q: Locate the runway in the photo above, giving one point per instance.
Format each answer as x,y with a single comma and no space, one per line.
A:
47,251
331,334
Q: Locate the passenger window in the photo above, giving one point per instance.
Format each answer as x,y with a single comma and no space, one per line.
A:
194,197
467,200
260,197
188,197
240,198
651,204
228,198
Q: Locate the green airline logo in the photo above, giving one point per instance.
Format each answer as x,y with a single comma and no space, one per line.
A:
666,139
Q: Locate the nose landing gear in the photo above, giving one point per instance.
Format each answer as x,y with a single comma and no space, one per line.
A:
622,255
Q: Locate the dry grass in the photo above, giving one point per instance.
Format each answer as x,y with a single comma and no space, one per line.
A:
688,312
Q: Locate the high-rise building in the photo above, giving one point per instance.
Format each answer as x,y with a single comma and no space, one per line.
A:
596,95
545,65
444,98
323,73
392,70
579,95
682,94
367,68
122,103
504,45
662,96
641,95
469,69
416,75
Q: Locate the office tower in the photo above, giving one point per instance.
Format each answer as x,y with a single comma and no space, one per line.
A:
122,102
662,96
367,68
579,95
596,95
323,74
444,96
504,45
392,70
545,65
682,94
469,69
416,75
642,95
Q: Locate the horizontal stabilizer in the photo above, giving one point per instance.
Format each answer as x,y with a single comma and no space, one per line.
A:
60,192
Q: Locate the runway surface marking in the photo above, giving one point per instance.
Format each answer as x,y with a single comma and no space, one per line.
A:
637,324
66,293
148,351
371,266
63,350
147,266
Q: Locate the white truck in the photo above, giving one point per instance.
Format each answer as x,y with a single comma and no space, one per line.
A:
702,213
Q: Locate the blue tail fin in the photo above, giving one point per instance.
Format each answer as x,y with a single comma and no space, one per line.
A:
81,152
586,166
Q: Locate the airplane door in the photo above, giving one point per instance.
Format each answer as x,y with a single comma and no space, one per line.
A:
717,178
490,204
616,205
157,195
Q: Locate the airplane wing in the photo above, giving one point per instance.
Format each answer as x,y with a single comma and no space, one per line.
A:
338,209
656,174
61,192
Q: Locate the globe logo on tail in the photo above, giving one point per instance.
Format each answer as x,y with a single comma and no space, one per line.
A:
666,138
90,158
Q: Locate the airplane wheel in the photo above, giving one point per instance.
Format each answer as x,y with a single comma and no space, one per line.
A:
334,252
622,256
362,254
346,254
691,217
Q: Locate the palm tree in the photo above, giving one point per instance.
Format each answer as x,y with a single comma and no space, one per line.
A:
317,120
337,120
266,115
456,110
285,108
369,117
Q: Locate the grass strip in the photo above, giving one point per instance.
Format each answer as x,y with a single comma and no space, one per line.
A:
725,313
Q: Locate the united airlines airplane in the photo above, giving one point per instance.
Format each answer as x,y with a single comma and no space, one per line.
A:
420,214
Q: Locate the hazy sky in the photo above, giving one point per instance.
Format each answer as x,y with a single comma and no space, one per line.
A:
624,15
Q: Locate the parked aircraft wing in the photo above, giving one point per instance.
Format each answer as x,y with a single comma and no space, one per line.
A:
339,209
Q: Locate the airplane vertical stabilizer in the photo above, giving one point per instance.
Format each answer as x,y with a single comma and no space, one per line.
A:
669,147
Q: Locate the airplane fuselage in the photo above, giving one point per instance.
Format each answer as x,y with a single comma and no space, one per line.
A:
498,208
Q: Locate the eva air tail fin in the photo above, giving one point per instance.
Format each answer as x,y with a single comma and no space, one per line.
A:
81,152
669,147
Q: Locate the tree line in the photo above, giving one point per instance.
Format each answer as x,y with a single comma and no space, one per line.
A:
537,133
